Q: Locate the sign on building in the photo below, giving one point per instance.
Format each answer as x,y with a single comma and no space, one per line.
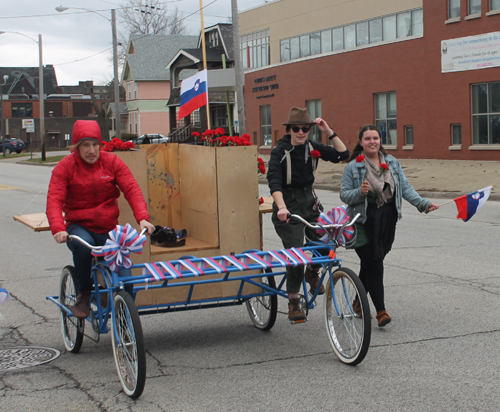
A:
470,53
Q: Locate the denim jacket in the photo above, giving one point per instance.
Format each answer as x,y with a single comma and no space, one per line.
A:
353,177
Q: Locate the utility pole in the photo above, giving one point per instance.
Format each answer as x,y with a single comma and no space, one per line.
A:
41,97
115,83
240,77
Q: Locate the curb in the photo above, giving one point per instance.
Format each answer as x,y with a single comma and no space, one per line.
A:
426,194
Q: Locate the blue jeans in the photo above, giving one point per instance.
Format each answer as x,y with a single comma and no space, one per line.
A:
83,260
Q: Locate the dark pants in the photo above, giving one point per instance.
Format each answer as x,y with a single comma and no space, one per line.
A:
380,228
83,260
299,201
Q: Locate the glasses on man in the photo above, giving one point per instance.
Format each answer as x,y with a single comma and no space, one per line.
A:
305,129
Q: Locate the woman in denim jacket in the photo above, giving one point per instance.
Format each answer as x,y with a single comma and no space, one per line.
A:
373,184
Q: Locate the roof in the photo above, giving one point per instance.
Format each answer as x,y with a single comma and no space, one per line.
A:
151,54
24,80
226,36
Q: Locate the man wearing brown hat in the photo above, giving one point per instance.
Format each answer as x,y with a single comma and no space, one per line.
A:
291,176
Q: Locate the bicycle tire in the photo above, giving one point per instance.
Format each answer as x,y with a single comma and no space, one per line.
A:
130,354
263,309
72,327
348,333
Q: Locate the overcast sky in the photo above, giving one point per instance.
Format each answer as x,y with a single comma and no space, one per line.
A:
71,37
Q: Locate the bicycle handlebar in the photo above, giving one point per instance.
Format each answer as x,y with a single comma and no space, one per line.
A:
83,242
318,226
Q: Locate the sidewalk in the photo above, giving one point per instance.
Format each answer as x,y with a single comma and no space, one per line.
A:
430,177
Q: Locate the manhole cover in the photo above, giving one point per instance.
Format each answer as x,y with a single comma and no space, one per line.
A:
17,358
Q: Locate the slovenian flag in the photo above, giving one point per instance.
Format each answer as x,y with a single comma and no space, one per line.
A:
194,93
468,205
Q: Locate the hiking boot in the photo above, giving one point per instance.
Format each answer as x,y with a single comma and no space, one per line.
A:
356,307
81,308
295,312
383,318
312,277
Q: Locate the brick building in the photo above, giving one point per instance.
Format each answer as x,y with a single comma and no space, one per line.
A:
427,72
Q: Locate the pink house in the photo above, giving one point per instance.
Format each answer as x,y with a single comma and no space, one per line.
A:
147,82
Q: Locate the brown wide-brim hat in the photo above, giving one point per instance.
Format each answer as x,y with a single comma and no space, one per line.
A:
298,116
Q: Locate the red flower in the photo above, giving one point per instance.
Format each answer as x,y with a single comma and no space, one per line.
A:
315,153
261,200
360,159
383,167
220,131
195,134
261,165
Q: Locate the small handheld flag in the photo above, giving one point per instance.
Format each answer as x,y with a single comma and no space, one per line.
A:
468,205
194,93
4,296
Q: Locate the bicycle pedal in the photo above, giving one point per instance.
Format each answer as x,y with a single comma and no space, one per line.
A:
293,322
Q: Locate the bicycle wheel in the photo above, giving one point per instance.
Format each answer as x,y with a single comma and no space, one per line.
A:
349,334
263,309
71,326
128,345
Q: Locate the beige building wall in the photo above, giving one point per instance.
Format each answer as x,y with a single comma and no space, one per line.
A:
288,18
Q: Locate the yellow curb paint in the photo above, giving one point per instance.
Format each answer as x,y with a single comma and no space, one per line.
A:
7,187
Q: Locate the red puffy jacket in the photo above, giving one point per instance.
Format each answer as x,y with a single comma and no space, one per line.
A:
87,194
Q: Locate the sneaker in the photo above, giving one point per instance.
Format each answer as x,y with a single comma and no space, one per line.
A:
312,277
383,318
295,312
81,308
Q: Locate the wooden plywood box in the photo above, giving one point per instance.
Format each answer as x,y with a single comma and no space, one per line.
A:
212,192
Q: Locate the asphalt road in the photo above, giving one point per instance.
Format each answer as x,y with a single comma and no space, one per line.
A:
440,353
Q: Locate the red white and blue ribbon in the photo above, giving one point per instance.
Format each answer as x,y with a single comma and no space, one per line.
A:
337,216
116,251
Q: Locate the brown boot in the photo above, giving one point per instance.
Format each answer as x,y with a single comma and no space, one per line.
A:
312,277
81,308
383,318
356,307
295,312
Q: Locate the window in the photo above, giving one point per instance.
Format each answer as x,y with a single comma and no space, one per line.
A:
304,46
362,33
314,110
294,48
456,134
326,41
338,38
404,25
213,38
22,109
486,113
408,135
284,50
350,36
218,115
135,91
129,87
315,43
375,30
474,7
82,109
385,117
453,9
495,5
389,27
254,49
265,125
417,22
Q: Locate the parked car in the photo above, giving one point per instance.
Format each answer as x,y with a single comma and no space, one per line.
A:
12,145
151,139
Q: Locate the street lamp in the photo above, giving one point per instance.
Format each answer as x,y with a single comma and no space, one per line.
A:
40,88
60,9
2,128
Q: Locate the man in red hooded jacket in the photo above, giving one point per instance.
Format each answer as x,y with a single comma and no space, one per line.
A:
85,187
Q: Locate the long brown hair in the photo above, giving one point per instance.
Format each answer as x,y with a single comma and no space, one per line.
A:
358,148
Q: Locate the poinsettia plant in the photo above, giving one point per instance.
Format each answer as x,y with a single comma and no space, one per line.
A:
117,145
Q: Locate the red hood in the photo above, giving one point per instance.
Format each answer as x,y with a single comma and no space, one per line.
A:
86,129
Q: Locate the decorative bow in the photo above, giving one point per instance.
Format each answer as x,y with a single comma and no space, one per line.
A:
337,216
122,240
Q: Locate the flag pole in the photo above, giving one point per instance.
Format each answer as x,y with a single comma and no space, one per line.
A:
445,203
204,60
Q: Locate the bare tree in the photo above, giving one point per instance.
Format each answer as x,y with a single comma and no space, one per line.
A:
150,18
